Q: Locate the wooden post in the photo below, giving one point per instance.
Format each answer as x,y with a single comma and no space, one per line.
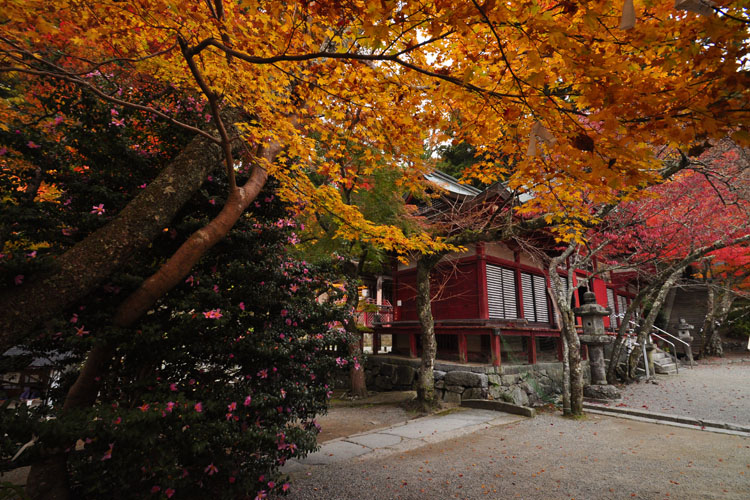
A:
463,355
519,286
376,342
495,346
413,345
484,310
532,349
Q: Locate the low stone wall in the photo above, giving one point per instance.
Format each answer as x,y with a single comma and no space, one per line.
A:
526,385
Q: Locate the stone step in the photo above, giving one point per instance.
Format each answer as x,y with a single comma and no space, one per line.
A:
661,355
666,369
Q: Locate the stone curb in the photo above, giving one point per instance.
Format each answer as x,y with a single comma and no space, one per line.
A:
486,404
668,418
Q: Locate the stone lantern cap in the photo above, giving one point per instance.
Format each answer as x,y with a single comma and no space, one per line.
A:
590,307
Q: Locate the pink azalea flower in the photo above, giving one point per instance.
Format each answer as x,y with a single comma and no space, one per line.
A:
285,487
113,112
242,306
232,406
211,469
3,150
59,120
261,495
284,312
33,145
198,407
213,314
143,186
155,489
170,406
263,373
108,453
283,393
294,288
118,123
98,209
144,407
74,318
173,387
248,400
18,279
81,332
169,492
271,484
31,254
117,421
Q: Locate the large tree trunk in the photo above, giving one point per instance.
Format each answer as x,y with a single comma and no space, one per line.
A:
566,375
718,312
572,369
48,478
619,343
644,330
426,395
88,263
575,376
357,383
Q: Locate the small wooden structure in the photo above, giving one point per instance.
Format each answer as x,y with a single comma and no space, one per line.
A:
492,305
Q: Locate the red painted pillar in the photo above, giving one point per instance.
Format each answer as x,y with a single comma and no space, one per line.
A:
463,350
484,310
495,346
413,345
396,294
532,349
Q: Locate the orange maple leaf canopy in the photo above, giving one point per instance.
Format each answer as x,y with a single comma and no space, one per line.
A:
383,80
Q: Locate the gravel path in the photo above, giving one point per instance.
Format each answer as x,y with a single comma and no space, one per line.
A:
549,457
717,391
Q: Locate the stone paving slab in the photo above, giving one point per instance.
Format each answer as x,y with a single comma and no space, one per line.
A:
335,451
375,440
410,435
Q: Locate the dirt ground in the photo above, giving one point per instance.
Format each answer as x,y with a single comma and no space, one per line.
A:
549,457
346,417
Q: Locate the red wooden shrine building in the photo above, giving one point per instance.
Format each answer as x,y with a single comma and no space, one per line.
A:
492,305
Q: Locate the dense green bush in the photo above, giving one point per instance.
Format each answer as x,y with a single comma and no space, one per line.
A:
218,385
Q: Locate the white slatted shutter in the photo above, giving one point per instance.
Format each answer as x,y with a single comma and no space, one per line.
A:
527,287
611,304
540,299
501,293
509,294
622,304
534,288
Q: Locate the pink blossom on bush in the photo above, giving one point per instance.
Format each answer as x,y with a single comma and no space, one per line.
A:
213,314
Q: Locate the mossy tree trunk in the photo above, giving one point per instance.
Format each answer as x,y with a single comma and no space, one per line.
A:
426,395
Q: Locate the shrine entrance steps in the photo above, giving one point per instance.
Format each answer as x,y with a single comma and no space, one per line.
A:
663,362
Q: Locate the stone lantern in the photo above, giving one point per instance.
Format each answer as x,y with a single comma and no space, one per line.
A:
592,318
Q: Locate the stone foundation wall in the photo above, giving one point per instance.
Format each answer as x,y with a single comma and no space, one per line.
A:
526,385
